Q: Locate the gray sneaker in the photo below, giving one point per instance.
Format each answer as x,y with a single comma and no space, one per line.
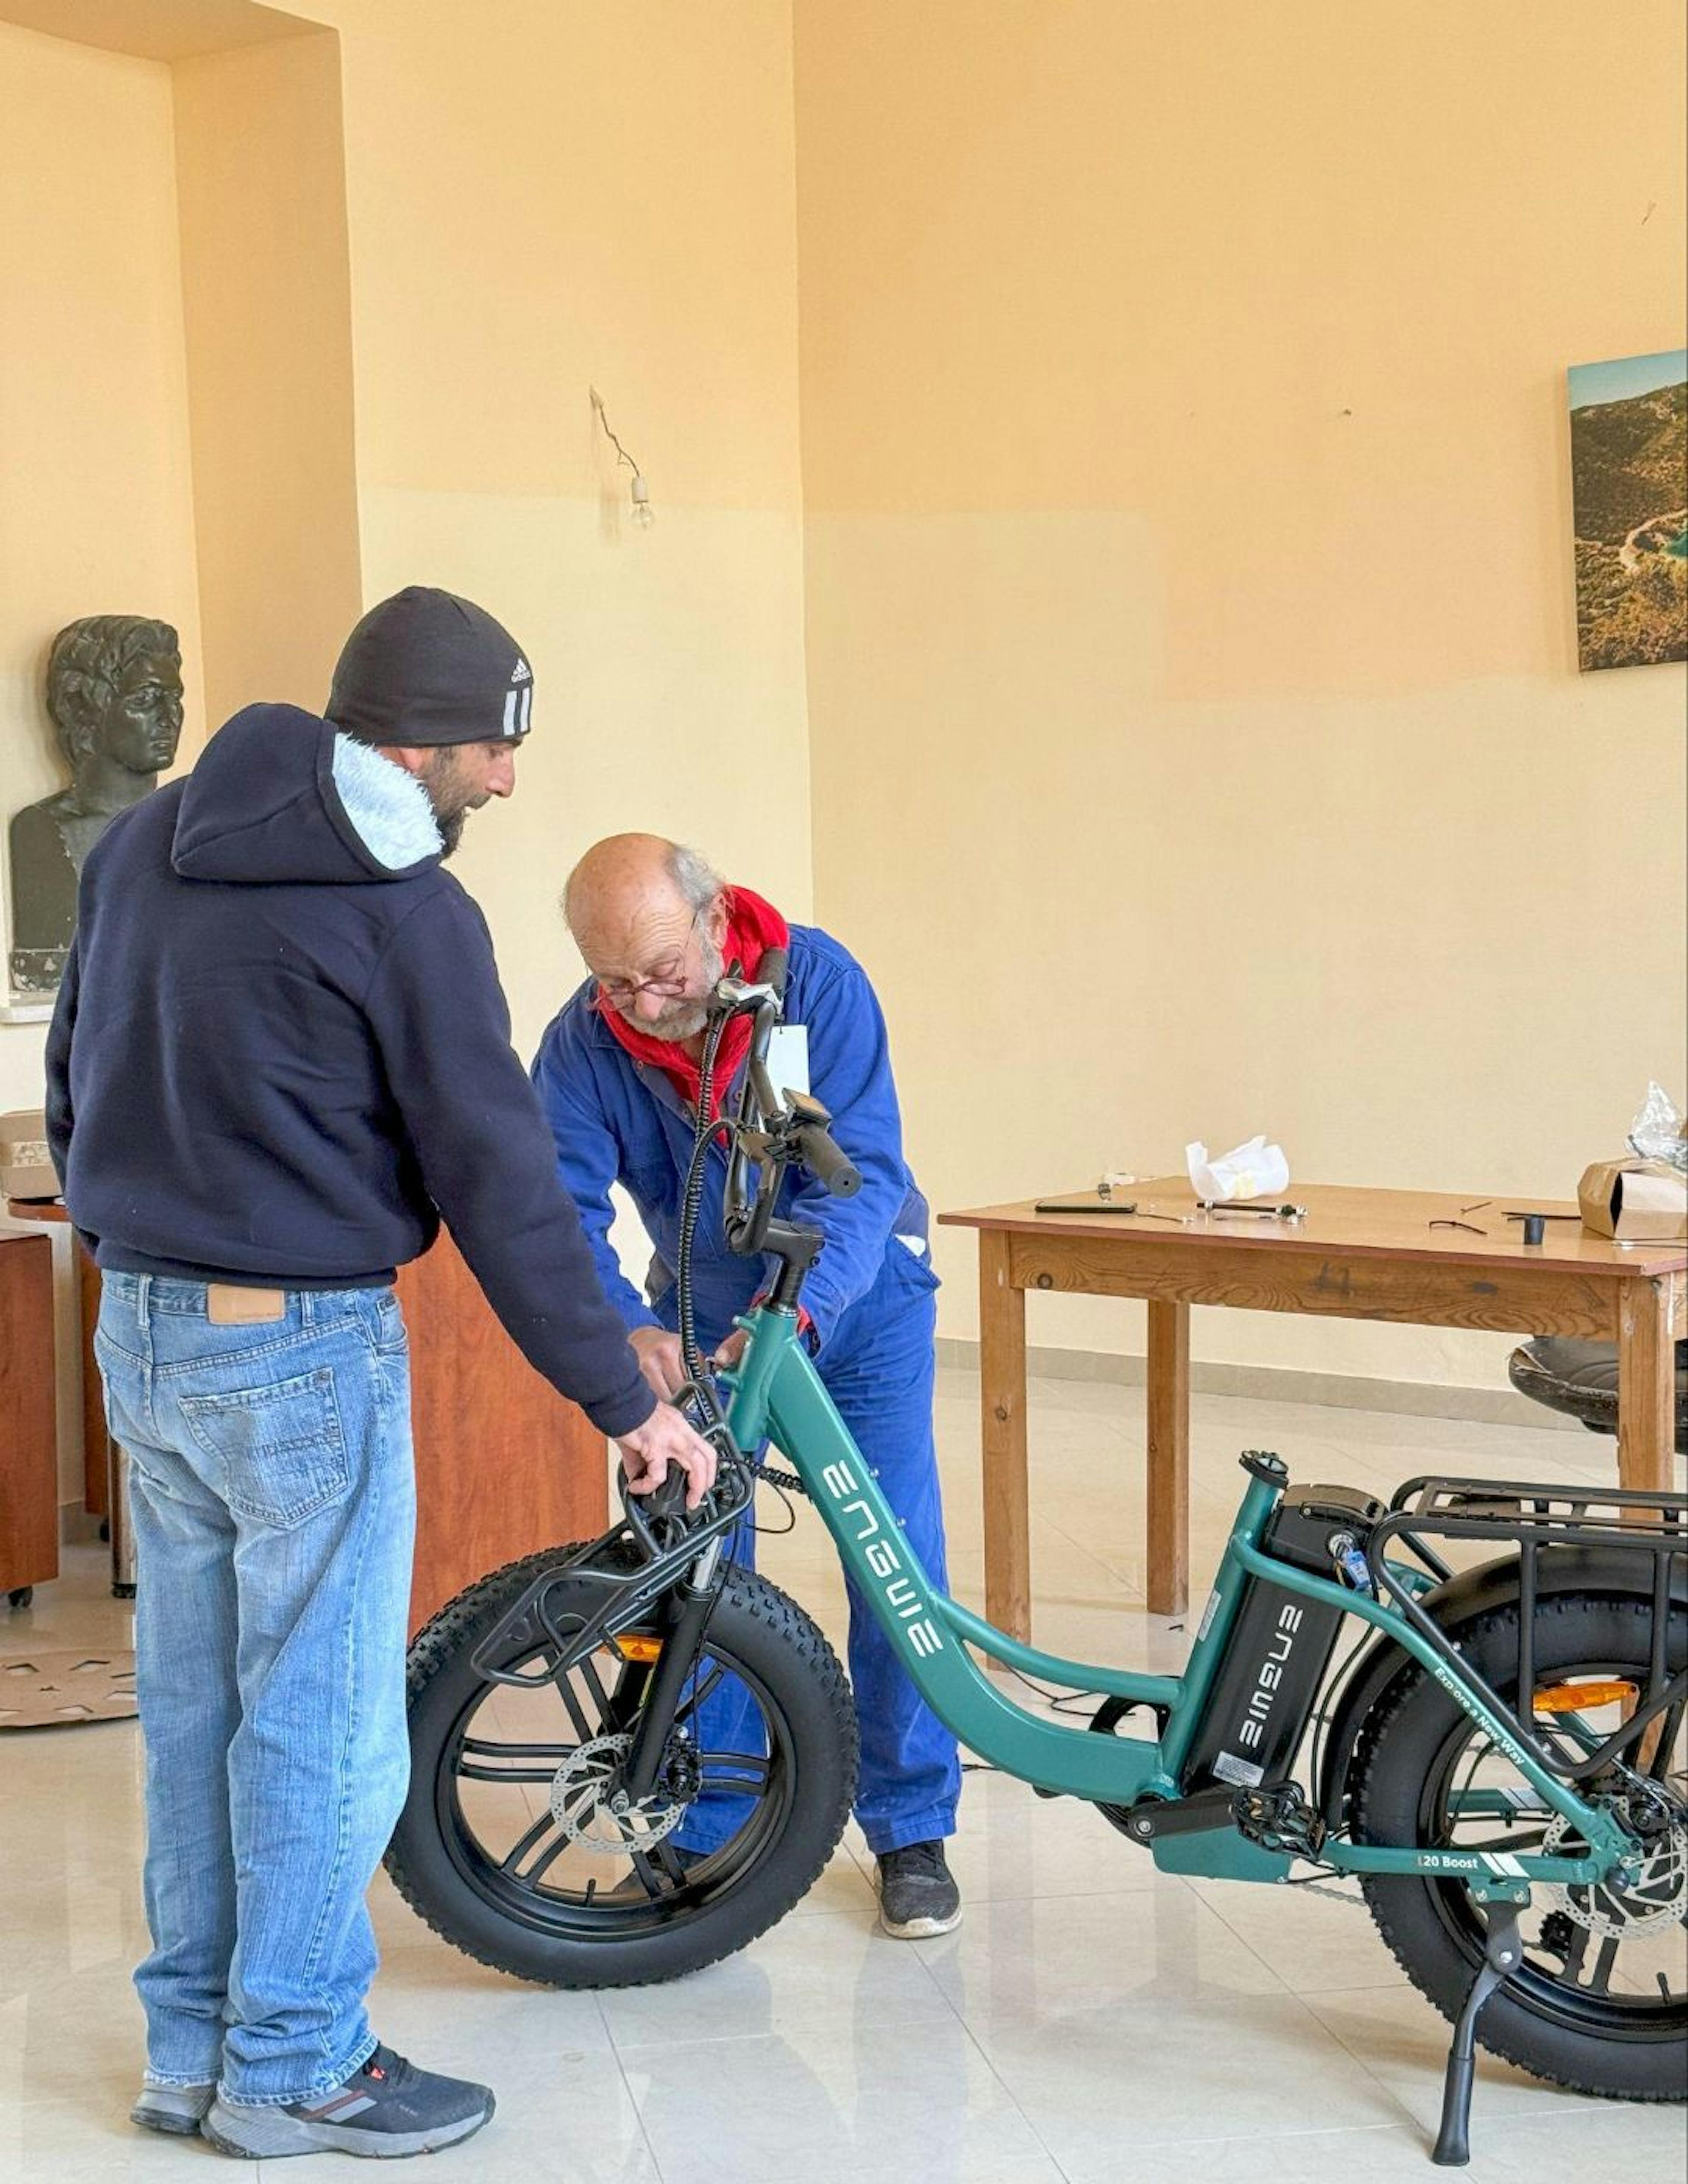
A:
917,1893
385,2110
177,2110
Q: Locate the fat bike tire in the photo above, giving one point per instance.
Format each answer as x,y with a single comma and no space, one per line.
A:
1596,2033
616,1930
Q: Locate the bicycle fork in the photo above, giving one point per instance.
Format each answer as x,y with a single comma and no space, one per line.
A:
692,1599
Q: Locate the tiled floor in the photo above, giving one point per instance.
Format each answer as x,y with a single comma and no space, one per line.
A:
1090,2021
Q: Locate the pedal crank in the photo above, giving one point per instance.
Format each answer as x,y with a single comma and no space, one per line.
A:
1276,1816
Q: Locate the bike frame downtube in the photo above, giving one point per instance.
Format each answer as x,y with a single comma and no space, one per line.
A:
777,1394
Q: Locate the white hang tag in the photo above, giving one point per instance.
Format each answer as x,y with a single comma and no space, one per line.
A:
788,1058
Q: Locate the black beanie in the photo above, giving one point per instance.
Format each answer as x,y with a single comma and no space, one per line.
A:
426,667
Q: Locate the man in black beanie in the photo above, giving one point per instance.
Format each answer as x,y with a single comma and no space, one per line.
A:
281,1057
428,676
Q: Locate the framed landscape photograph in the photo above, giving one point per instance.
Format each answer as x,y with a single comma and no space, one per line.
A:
1630,490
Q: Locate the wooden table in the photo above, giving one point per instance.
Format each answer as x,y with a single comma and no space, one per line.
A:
1359,1254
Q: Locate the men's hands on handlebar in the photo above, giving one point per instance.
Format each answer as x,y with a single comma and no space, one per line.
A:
665,1440
663,1365
659,1360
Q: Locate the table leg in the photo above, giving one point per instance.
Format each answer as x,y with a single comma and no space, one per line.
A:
1002,1392
1169,1406
1646,1383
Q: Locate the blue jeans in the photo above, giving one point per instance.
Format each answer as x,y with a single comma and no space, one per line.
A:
274,1509
880,1376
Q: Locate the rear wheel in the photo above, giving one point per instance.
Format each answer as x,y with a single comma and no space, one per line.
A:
509,1844
1600,2002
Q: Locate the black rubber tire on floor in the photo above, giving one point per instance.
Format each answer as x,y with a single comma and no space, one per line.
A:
1428,1923
754,1625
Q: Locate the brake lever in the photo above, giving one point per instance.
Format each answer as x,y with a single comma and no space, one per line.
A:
737,997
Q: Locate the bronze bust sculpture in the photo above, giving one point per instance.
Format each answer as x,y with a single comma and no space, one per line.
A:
114,689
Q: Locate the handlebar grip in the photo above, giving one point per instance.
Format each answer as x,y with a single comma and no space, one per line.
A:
770,971
826,1163
668,1499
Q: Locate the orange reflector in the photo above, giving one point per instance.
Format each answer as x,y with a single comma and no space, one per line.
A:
1572,1698
631,1648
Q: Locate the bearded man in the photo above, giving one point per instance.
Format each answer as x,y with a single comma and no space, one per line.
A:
618,1075
281,1057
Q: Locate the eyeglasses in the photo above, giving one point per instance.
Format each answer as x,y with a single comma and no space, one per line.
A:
621,992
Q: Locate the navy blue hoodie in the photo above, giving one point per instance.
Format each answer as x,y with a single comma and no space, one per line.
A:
281,1054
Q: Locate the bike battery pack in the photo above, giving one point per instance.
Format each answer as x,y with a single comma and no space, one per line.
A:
1280,1645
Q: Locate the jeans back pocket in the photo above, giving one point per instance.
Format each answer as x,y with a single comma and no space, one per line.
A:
281,1448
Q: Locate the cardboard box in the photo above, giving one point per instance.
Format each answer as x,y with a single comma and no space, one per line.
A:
1635,1197
26,1167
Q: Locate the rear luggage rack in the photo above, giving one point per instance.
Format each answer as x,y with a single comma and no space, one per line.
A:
1635,1520
1503,1508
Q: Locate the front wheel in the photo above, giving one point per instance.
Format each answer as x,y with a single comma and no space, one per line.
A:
1600,2002
509,1844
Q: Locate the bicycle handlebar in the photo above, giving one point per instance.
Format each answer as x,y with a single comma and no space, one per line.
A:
773,1125
827,1161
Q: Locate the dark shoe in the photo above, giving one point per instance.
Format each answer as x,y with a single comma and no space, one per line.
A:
388,2109
178,2110
917,1893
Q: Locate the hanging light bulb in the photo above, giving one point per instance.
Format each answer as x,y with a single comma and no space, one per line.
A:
644,514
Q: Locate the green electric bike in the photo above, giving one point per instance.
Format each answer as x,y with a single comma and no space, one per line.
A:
1498,1760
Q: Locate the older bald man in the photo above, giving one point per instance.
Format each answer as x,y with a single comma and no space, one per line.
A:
618,1073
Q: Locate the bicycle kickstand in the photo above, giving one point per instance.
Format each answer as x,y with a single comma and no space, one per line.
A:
1502,1953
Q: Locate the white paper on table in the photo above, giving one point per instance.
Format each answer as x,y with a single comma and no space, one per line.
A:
1253,1169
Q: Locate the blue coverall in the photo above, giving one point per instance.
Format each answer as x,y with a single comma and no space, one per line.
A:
870,1297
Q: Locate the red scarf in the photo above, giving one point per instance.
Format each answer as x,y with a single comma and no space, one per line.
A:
752,926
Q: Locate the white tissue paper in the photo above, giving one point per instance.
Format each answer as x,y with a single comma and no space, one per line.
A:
1253,1170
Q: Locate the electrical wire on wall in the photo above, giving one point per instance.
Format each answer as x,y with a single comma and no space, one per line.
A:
643,513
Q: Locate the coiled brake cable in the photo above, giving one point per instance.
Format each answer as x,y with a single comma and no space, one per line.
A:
700,1392
691,1203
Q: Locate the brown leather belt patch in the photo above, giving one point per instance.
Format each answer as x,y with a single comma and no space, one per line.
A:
228,1306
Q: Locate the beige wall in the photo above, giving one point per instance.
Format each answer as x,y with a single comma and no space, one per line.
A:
1197,741
96,511
261,182
536,199
1177,531
539,199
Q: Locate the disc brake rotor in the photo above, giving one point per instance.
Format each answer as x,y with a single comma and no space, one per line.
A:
582,1791
1655,1898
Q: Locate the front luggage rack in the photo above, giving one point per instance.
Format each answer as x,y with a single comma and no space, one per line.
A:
1635,1521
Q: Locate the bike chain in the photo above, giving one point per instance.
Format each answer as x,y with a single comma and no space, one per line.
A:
1336,1895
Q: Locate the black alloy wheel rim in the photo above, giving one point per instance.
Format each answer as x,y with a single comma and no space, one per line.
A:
514,1884
1599,2013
